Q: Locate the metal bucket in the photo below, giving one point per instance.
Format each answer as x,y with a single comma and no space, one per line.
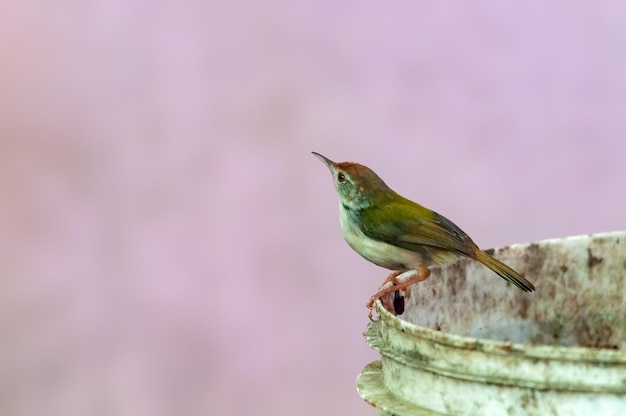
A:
470,344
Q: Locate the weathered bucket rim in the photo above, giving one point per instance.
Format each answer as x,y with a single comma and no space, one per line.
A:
491,346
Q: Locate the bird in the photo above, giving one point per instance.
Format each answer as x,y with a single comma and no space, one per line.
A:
398,234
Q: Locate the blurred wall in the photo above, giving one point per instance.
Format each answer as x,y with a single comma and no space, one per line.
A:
169,244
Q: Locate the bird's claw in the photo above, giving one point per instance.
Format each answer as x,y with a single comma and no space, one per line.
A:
394,284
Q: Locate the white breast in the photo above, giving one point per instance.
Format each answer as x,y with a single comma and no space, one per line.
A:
378,252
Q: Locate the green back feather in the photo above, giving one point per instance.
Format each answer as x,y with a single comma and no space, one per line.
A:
404,223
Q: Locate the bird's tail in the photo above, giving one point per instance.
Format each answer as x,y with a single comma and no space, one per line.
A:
504,271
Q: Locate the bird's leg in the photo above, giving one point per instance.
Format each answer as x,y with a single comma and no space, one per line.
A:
389,282
421,273
392,284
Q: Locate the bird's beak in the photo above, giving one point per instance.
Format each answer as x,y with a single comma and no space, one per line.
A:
326,160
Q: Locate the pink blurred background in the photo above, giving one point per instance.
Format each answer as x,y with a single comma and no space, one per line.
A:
169,244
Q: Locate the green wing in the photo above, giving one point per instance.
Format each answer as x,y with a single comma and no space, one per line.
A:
405,224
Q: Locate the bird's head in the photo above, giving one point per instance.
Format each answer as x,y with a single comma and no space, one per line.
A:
357,186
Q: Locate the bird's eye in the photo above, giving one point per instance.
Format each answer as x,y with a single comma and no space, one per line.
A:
341,177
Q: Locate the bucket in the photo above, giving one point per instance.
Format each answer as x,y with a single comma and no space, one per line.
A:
468,343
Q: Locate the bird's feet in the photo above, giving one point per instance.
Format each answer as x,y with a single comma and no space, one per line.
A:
397,281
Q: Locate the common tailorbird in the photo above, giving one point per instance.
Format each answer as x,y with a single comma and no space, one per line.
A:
401,235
